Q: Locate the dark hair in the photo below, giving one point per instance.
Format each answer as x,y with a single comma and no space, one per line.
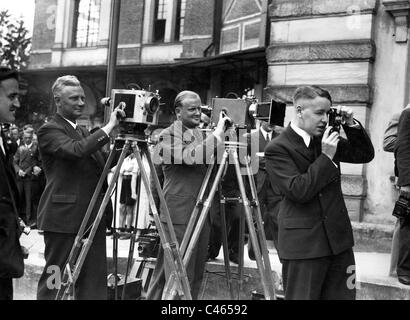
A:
310,92
7,73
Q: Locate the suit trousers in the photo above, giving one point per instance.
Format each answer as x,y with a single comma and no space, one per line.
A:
92,281
403,263
326,278
24,186
6,289
233,211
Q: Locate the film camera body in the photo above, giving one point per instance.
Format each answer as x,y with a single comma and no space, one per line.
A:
402,208
141,109
335,119
244,112
148,243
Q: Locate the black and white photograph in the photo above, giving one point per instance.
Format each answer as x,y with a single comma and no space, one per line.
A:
217,152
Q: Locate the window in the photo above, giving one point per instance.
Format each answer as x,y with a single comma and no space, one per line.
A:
86,23
161,7
179,27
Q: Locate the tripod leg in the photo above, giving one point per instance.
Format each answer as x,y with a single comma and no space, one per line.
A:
89,240
225,242
115,244
171,251
80,247
241,254
251,227
194,215
261,233
133,237
202,217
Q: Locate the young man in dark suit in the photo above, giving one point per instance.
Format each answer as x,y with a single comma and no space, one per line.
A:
315,235
11,257
73,163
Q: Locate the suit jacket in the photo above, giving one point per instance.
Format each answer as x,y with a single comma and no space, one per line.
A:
313,219
184,156
11,258
25,159
402,149
257,139
73,165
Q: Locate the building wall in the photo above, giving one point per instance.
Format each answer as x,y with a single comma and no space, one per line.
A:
44,33
199,23
357,50
327,43
390,95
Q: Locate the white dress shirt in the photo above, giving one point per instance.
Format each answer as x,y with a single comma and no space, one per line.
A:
2,146
266,135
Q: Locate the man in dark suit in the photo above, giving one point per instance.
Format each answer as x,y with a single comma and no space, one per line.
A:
11,257
184,153
315,235
27,166
402,154
268,194
72,164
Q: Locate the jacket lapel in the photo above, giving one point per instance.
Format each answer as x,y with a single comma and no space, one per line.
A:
298,143
71,132
68,127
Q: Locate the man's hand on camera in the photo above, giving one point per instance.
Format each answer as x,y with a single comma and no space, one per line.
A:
405,191
222,125
115,117
329,143
347,115
36,170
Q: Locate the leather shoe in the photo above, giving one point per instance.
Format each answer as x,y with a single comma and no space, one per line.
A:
404,280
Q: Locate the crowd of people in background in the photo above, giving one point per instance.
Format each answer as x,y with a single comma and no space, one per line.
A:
28,169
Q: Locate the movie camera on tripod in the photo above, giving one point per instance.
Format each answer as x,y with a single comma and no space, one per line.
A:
245,112
141,109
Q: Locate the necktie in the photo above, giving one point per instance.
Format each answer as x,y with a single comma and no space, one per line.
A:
312,149
268,136
79,131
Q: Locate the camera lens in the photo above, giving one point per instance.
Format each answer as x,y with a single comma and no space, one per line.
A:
152,104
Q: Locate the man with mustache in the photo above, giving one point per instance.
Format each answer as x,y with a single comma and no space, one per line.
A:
315,235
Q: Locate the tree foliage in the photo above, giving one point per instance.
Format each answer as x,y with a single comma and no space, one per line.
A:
15,43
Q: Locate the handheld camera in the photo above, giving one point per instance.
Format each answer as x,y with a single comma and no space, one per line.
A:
335,119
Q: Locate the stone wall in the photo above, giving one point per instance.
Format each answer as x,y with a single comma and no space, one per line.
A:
330,44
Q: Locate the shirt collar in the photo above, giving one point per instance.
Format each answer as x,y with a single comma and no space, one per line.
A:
2,145
74,125
302,133
266,133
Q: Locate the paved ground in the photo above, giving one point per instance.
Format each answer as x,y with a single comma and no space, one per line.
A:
369,266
